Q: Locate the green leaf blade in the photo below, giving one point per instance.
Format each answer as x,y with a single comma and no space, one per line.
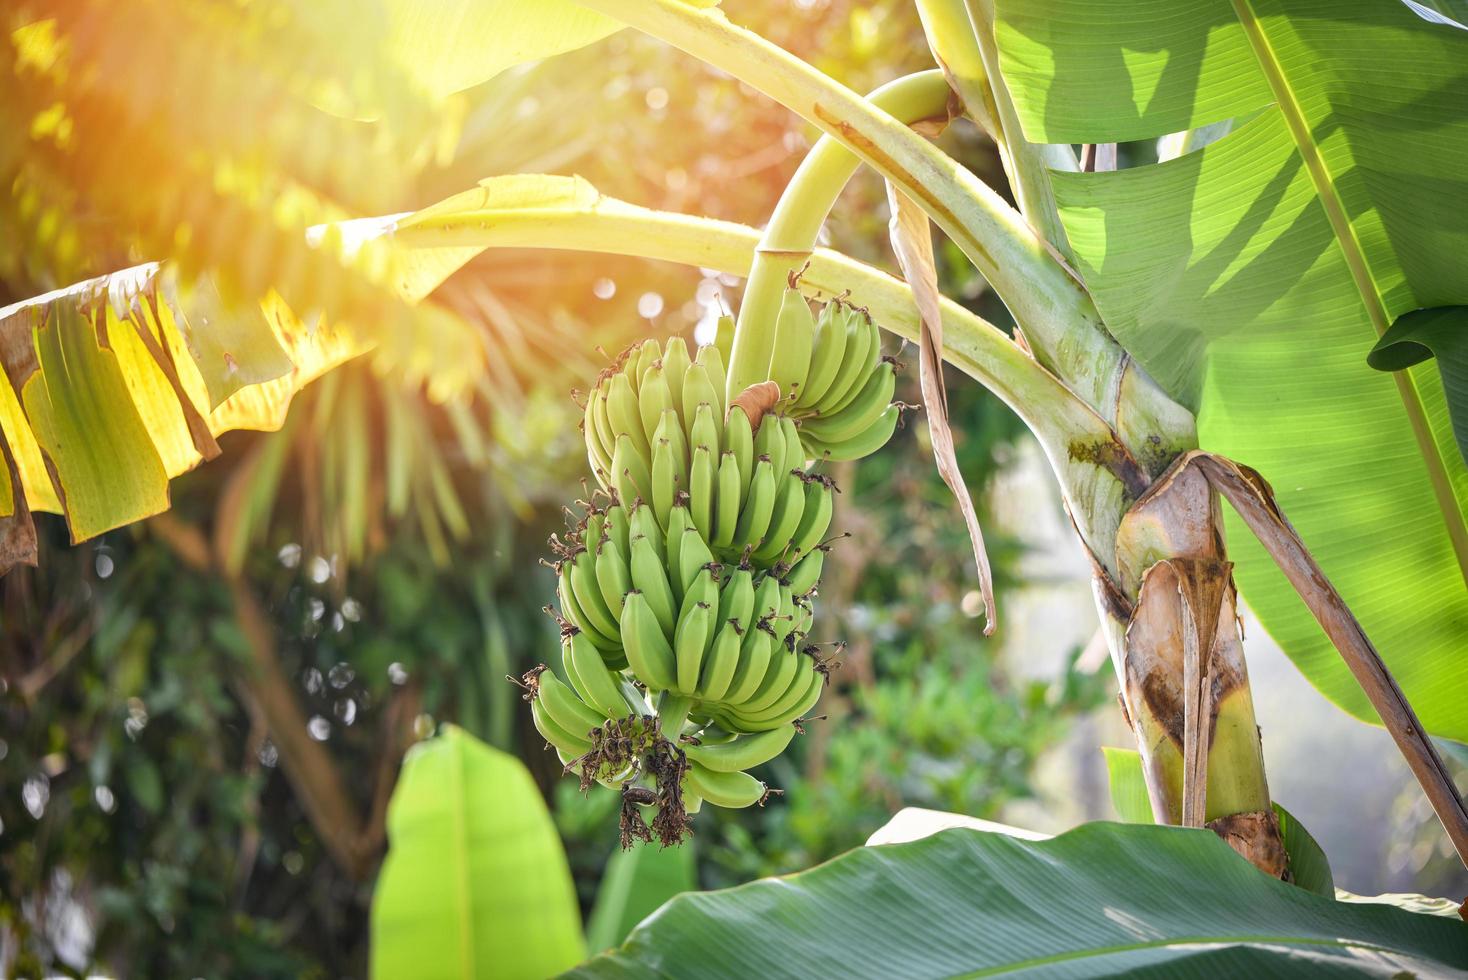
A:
475,884
1253,276
1090,73
1100,900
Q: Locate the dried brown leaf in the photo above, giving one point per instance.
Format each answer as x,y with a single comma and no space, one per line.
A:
756,400
913,243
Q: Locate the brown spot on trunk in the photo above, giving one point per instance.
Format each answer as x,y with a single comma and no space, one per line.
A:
1113,457
1256,837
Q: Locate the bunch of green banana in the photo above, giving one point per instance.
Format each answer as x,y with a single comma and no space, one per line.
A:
662,443
832,376
630,397
687,597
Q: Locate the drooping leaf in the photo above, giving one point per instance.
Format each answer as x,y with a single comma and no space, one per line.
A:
107,471
475,883
912,241
1102,900
1308,865
445,47
1252,277
634,884
1441,334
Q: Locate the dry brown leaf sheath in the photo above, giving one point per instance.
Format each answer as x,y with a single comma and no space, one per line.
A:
913,243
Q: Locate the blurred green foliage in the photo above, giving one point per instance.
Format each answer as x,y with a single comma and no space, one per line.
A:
146,825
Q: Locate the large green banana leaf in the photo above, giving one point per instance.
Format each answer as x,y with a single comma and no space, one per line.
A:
475,884
633,884
115,385
1102,900
1308,865
1253,277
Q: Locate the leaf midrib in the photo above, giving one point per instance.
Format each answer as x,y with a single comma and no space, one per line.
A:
1224,940
1355,257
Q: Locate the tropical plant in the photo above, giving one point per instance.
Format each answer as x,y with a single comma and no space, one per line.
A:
1168,317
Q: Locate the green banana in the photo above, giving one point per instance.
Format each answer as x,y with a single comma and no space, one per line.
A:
705,430
664,480
724,338
755,651
731,790
582,575
782,669
630,476
624,415
784,519
806,572
679,521
856,364
675,364
736,598
694,630
649,653
859,412
693,558
767,599
742,753
701,490
615,526
754,517
815,519
727,501
565,707
565,742
572,611
712,361
780,712
613,576
794,450
653,397
864,443
739,439
597,453
719,667
649,355
826,353
770,441
698,390
704,589
795,330
644,522
592,680
650,577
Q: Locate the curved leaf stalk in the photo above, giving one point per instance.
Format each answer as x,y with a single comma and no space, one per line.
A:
961,35
1098,478
1056,313
790,236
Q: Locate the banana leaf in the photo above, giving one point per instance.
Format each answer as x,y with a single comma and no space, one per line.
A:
475,884
1253,277
1102,900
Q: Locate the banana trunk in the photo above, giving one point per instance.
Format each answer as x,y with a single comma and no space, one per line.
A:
1172,627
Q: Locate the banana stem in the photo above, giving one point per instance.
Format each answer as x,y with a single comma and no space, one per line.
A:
808,198
1096,474
1060,321
1027,164
672,713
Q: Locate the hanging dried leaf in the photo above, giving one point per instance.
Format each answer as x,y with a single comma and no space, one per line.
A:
756,400
913,243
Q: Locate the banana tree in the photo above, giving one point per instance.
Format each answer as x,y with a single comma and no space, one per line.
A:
1153,306
1169,317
